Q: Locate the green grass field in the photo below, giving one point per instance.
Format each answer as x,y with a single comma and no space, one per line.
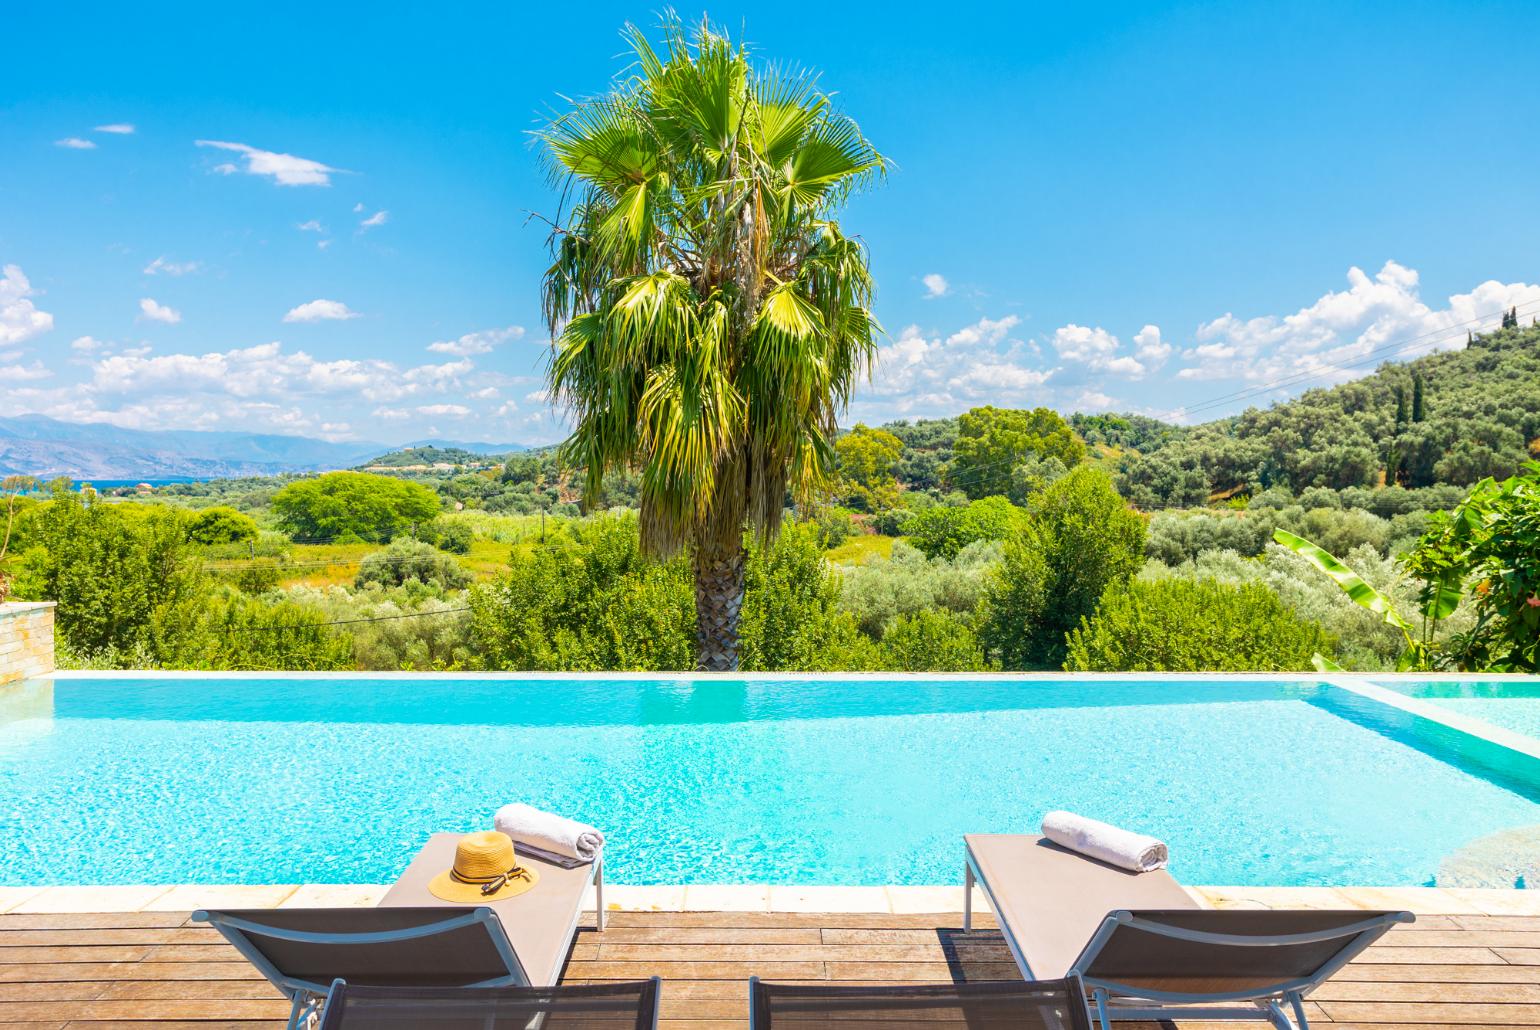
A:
859,548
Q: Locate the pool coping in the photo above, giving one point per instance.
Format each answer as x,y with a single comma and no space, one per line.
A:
804,677
893,899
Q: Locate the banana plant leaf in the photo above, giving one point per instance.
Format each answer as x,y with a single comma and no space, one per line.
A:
1351,583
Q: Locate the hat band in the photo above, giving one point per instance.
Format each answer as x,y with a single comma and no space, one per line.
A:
488,884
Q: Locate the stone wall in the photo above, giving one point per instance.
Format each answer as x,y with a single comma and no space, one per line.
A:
26,640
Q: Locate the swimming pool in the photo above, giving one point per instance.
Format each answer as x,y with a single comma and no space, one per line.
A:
1512,703
339,779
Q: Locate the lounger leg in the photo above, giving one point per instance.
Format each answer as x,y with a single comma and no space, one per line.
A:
599,896
1101,1009
967,898
1278,1017
295,1009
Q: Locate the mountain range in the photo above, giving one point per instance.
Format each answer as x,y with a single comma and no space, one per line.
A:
45,447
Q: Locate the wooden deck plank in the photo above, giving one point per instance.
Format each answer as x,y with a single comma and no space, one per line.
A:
106,971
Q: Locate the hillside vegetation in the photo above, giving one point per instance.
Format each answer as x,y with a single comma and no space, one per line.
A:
1000,539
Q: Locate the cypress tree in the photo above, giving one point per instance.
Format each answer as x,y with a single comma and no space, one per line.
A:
1419,410
1400,406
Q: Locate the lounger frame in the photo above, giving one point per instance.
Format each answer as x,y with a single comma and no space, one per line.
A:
307,997
841,997
647,1016
1111,1000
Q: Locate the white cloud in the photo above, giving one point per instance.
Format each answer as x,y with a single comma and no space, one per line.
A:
485,394
158,312
507,410
1097,349
935,285
391,414
1081,343
979,364
266,370
453,410
74,143
161,265
358,207
86,344
19,318
480,342
284,169
226,169
23,373
1150,348
376,219
1376,318
311,226
322,244
320,310
117,128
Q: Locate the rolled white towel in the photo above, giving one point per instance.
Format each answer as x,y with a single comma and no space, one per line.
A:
546,835
1113,845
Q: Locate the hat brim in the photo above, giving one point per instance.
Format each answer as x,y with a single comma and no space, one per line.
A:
446,888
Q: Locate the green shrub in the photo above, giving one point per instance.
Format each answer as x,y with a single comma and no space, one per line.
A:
1078,537
994,445
455,537
878,591
411,559
942,532
834,526
1193,626
353,506
792,620
587,600
932,641
221,525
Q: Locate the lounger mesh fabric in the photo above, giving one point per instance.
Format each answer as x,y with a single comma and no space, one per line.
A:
455,957
1019,1005
1141,958
619,1006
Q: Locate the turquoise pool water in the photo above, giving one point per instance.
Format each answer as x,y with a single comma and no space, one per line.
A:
339,780
1510,703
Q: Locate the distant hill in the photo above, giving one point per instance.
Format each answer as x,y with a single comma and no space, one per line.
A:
45,447
1448,418
484,449
428,456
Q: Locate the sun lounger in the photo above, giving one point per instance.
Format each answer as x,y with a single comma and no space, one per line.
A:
1056,1005
541,924
304,951
615,1006
1144,949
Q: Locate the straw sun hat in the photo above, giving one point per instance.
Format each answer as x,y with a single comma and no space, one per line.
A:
485,869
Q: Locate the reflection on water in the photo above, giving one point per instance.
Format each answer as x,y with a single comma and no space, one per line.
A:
26,712
443,700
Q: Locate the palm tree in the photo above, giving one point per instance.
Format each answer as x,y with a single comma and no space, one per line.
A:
709,317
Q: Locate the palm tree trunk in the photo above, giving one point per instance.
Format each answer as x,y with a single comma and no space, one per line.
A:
718,603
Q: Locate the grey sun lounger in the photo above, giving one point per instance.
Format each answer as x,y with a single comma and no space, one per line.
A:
1056,1005
615,1006
303,951
541,924
1144,949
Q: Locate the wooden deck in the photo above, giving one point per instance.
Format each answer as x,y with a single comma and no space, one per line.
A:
134,970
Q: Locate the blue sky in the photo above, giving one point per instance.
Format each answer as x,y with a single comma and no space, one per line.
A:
1170,209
